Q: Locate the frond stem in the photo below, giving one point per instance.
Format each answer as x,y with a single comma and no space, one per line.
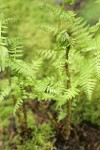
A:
69,102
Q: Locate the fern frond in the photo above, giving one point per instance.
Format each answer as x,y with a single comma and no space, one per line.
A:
97,56
15,47
62,15
55,88
10,20
3,33
41,85
21,68
49,29
97,63
71,93
59,66
47,54
15,51
36,64
88,86
82,36
17,105
5,93
68,94
3,58
11,40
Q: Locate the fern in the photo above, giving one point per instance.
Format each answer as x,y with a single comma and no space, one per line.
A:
5,93
76,63
15,50
19,103
71,66
97,56
49,29
3,58
21,68
3,49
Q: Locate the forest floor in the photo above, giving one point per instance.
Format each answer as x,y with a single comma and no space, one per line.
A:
83,137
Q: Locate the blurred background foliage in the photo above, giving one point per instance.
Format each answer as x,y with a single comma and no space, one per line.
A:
32,14
90,10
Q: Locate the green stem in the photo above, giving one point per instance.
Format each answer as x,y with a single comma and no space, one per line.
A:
69,103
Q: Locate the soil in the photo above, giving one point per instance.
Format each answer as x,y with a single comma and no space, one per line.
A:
83,137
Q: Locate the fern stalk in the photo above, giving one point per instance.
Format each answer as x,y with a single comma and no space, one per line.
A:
69,103
8,71
25,120
51,117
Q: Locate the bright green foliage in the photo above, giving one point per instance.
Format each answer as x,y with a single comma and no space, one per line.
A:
84,61
4,94
45,75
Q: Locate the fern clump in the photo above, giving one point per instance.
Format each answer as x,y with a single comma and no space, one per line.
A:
75,67
55,77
